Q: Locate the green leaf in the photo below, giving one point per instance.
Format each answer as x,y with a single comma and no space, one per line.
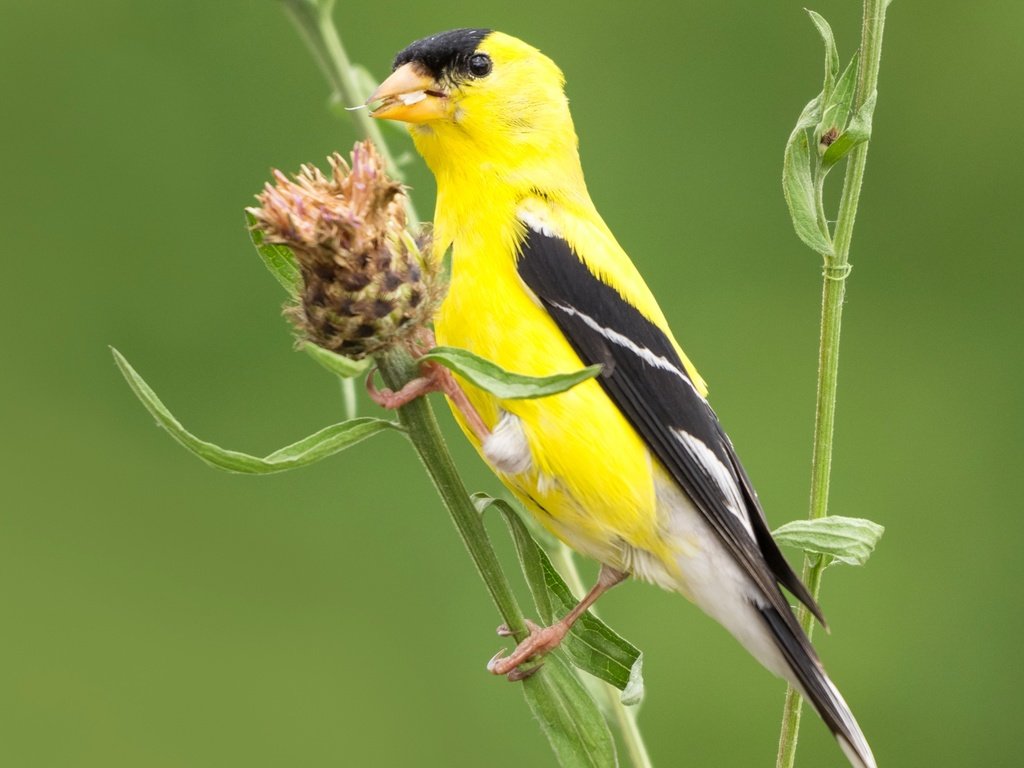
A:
591,645
857,132
342,366
277,258
848,540
320,445
501,383
836,109
798,182
831,53
569,717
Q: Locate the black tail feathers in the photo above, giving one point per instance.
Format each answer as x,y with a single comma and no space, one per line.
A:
809,676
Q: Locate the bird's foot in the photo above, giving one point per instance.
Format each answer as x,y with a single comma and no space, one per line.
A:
430,381
541,640
434,378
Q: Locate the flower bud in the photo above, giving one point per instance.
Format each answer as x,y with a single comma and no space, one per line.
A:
366,284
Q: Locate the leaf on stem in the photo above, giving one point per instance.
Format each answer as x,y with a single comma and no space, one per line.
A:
326,442
836,109
831,53
492,378
339,365
849,540
591,645
277,258
569,717
798,183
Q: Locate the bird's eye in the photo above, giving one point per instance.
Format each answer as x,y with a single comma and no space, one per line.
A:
480,65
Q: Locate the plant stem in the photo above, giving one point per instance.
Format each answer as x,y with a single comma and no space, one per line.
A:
836,270
398,367
624,717
348,398
316,25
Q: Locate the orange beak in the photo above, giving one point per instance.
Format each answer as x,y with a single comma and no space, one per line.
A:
409,96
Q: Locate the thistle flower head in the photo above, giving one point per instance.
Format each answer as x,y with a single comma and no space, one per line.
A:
365,284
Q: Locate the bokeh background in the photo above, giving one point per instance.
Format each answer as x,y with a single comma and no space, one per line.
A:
156,612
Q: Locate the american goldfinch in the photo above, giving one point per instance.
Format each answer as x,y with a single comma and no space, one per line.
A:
632,468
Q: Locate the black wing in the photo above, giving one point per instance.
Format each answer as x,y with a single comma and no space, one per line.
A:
645,378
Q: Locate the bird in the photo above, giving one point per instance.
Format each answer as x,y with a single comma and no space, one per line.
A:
631,468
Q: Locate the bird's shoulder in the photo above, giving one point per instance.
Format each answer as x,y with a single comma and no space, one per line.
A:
557,237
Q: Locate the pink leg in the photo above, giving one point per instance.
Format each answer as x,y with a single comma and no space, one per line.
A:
435,378
545,639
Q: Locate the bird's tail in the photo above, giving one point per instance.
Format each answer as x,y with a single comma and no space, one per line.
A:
809,677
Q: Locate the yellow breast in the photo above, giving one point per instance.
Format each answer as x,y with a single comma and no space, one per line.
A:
590,478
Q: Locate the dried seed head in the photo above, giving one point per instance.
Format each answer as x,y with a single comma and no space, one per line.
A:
366,284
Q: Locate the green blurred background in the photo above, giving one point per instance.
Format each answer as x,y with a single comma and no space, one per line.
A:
159,613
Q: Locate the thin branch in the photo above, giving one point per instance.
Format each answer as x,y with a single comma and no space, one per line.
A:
837,268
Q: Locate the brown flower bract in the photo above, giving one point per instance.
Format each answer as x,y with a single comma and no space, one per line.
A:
366,286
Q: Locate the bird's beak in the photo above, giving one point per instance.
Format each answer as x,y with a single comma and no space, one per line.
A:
409,96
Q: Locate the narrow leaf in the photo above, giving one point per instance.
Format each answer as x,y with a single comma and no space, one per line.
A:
508,386
320,445
591,645
798,182
831,53
569,717
342,366
848,540
836,109
857,132
277,258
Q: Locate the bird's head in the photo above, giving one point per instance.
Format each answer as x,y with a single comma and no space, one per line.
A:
480,96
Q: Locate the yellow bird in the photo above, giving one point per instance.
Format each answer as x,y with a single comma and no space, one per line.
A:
633,468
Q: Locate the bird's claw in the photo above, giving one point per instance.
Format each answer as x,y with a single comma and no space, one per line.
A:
504,631
521,673
433,378
517,673
541,640
388,398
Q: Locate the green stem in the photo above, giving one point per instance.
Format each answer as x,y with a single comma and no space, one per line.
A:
397,367
624,717
348,398
316,25
836,270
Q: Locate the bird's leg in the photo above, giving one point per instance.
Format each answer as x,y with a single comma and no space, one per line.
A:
387,398
544,639
434,378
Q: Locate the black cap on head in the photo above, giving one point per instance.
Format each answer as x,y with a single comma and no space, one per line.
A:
444,55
